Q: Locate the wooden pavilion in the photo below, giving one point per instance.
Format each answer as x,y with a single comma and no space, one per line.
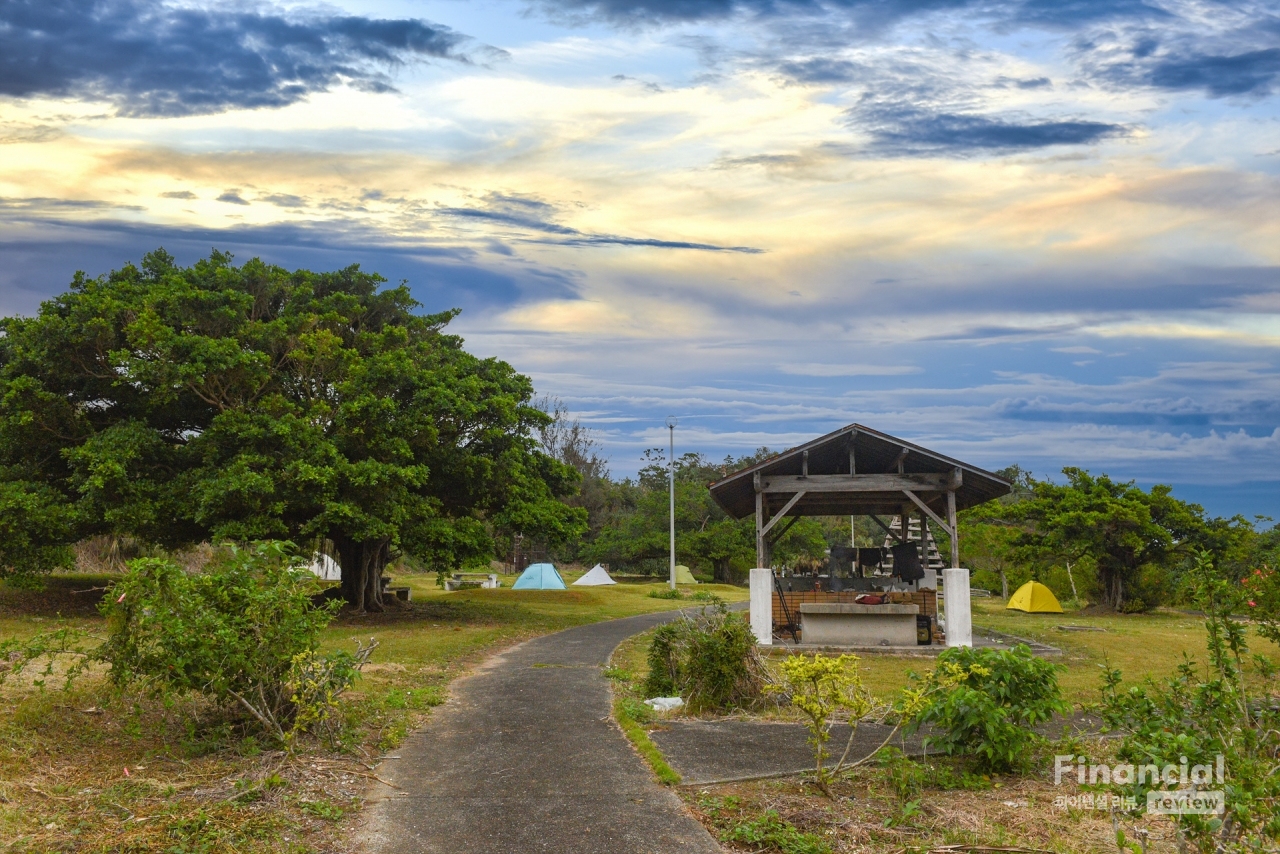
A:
856,471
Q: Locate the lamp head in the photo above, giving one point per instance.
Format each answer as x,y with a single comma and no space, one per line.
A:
671,422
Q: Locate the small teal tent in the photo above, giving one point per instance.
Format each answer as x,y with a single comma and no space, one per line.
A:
539,576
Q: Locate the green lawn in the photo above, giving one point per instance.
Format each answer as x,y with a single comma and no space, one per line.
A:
446,626
1140,645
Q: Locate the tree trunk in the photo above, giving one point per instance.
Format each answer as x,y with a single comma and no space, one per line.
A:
1004,586
1111,579
722,571
362,565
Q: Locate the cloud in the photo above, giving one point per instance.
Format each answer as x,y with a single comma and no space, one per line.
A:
155,59
898,129
528,214
868,17
812,369
178,194
231,197
1250,73
284,200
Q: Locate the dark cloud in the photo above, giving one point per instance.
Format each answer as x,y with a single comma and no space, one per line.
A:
178,194
537,216
1068,14
43,250
1251,73
900,129
867,16
822,70
284,200
232,198
153,59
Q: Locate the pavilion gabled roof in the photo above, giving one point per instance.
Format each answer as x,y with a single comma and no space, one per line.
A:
874,453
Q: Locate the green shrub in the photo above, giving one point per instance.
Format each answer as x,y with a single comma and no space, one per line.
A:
1202,713
710,660
820,687
244,632
998,696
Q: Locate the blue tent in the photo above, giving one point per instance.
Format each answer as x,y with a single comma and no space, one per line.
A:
539,576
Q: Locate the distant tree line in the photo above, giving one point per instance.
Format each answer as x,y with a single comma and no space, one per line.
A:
1086,536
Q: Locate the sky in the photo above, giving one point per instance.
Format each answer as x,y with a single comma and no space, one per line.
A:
1042,232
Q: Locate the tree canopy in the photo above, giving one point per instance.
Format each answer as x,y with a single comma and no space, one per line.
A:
636,534
1132,538
217,402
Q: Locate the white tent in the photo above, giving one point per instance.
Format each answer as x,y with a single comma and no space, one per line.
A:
597,576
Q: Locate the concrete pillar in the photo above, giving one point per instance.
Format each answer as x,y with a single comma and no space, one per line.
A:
762,605
955,604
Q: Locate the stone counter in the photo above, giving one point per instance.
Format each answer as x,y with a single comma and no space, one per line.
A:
851,624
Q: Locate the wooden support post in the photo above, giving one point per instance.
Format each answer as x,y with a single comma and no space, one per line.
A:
760,555
929,512
783,512
780,532
886,528
955,529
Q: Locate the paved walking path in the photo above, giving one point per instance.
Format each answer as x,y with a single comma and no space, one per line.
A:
525,758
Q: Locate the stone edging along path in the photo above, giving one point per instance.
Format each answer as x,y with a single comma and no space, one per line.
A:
525,757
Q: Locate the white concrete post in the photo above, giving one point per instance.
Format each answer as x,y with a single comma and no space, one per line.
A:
762,605
955,603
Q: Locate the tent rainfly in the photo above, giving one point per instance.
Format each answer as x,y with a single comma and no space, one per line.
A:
595,577
325,568
539,576
1034,598
683,575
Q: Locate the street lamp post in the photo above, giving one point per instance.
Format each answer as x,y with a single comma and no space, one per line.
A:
671,485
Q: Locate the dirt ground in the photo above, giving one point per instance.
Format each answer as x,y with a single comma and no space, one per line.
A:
867,816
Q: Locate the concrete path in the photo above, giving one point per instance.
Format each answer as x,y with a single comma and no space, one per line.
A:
525,758
705,752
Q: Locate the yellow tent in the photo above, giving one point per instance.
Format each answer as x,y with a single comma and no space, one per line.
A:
1034,598
683,575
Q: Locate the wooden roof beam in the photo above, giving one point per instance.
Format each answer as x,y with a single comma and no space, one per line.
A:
856,483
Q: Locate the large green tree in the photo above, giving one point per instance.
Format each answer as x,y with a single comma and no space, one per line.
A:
1122,528
219,402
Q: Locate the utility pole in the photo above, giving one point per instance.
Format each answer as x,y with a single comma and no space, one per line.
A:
671,484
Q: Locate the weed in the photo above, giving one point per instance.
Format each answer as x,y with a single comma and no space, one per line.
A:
636,734
617,674
770,832
322,809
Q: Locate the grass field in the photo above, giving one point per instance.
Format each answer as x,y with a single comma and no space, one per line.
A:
91,770
1139,645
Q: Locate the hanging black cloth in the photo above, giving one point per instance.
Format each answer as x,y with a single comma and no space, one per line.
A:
870,557
841,560
906,562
